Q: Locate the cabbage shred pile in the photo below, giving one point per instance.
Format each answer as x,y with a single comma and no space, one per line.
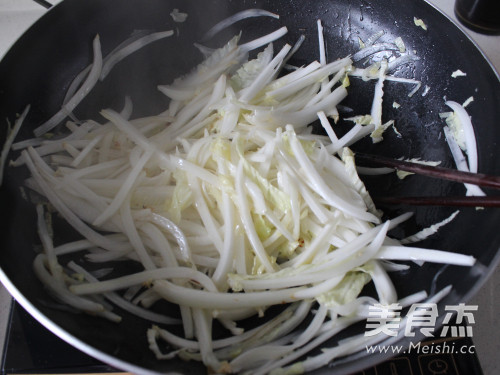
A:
231,205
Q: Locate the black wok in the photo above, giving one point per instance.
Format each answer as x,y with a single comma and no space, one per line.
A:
40,66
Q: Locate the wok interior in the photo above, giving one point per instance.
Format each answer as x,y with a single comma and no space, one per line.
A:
40,67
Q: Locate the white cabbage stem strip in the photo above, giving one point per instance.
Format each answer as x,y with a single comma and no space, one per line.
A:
424,255
127,109
465,126
319,185
76,83
245,339
79,245
368,171
119,199
10,139
354,344
60,290
321,271
376,110
123,303
246,219
309,253
295,48
116,56
178,234
124,282
321,42
460,161
252,357
373,38
33,142
89,83
220,301
133,235
340,324
357,132
98,171
261,208
402,60
244,14
426,232
131,132
327,126
295,75
48,247
208,219
196,111
85,151
468,129
226,258
124,49
262,41
156,241
64,210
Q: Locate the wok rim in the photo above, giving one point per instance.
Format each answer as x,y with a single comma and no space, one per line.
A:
66,336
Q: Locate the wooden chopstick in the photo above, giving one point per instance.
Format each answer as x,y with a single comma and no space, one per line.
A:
465,201
479,179
43,3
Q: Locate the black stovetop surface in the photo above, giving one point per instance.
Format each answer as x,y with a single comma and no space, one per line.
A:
32,349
